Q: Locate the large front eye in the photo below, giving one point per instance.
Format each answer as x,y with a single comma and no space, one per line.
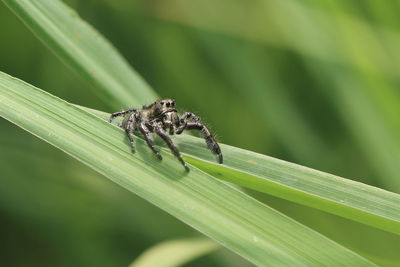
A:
168,104
162,103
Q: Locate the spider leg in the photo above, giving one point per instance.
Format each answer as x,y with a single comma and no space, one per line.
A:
131,140
159,130
187,116
120,113
210,141
171,129
149,140
128,126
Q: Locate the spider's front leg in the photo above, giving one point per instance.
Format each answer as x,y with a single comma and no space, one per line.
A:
149,139
158,128
197,125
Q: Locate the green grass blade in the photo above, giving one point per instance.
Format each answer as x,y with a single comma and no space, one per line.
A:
253,230
90,54
343,197
175,252
85,50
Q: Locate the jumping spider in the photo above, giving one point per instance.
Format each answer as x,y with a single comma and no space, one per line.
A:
159,117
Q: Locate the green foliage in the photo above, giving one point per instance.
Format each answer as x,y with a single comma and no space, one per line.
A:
83,49
330,193
241,223
314,87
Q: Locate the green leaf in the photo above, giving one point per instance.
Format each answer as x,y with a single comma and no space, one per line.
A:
84,49
174,252
343,197
237,221
278,178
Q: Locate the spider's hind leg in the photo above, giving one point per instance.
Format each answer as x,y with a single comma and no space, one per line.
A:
120,113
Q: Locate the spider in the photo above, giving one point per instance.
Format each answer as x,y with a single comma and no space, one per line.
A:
159,117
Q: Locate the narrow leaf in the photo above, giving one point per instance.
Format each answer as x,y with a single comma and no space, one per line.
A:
237,221
343,197
174,252
84,49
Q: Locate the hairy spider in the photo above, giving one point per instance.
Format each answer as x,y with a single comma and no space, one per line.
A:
159,117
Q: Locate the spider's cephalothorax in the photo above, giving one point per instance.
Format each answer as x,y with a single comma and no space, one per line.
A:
159,117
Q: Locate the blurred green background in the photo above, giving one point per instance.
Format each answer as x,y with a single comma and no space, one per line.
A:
315,83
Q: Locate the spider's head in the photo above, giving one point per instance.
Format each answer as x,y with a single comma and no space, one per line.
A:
166,105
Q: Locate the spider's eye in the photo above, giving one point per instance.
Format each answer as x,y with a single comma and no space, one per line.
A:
162,103
168,104
172,103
